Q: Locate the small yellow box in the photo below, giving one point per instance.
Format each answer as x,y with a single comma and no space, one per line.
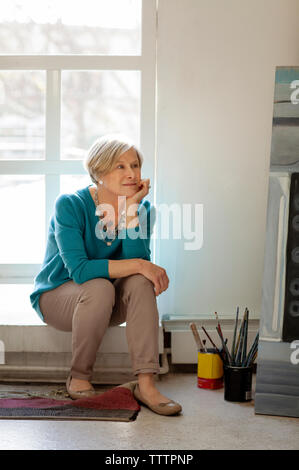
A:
209,370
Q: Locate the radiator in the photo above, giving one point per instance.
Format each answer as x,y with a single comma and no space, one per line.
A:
41,353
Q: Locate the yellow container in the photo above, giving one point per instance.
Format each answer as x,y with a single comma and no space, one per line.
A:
209,370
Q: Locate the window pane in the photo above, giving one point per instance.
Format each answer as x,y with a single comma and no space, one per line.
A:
15,306
22,208
64,27
22,114
95,103
70,183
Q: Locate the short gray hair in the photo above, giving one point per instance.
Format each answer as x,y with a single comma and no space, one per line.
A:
105,151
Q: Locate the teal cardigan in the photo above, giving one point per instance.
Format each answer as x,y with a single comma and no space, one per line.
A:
74,251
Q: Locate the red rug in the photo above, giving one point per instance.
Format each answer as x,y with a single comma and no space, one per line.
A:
117,404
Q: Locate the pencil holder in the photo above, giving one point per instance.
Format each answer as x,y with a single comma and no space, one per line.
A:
237,383
209,369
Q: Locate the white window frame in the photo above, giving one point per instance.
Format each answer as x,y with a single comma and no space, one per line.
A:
52,166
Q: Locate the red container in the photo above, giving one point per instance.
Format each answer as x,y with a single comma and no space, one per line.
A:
212,384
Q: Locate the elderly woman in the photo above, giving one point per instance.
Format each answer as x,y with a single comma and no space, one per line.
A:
93,277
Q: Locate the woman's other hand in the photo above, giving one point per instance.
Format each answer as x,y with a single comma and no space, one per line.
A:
155,274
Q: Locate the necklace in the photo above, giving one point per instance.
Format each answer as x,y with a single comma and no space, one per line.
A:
104,227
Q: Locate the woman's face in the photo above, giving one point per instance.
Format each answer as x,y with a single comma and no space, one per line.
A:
124,178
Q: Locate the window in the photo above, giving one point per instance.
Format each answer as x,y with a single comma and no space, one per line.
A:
67,75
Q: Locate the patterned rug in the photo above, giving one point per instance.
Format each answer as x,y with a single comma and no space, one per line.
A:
117,404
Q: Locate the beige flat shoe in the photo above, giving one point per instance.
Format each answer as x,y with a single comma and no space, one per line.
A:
166,409
79,394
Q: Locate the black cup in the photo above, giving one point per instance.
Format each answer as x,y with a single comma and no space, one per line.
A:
237,383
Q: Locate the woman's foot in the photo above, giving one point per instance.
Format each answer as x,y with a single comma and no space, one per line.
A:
78,385
156,401
152,395
148,390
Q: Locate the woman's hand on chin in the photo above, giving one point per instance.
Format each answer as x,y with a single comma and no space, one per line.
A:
141,192
132,202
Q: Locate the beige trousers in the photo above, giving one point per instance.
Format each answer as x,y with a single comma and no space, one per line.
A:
88,309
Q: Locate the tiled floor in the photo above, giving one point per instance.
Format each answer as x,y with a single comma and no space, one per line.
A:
206,422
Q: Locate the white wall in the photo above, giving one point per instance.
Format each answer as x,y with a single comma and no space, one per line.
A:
216,72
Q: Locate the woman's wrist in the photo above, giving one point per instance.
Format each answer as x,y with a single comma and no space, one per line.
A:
140,265
125,267
128,218
132,222
132,219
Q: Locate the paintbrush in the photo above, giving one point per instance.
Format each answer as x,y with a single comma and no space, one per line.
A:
242,339
196,336
239,354
217,318
210,339
244,351
239,338
219,331
239,335
228,354
252,351
253,358
228,360
222,352
234,338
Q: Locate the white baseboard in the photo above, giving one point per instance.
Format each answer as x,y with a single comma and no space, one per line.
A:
40,353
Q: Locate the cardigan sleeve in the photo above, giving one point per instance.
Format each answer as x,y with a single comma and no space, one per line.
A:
136,240
69,237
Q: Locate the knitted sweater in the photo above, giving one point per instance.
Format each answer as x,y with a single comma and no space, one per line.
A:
75,252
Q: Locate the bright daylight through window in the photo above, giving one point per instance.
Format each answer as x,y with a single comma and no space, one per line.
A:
57,96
